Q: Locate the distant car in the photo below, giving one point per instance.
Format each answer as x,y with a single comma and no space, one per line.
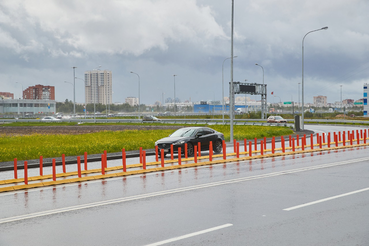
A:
150,118
276,119
49,119
192,136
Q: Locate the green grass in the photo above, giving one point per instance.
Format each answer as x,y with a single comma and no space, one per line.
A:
32,146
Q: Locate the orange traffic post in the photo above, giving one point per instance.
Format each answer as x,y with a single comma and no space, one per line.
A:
344,139
261,147
293,144
162,157
41,166
311,141
297,140
156,153
320,141
63,162
361,133
290,139
336,140
141,155
351,137
179,156
79,166
329,139
357,137
323,137
364,137
256,143
124,161
25,172
303,141
102,164
273,145
85,160
234,145
265,142
339,136
224,150
238,150
54,170
199,149
211,150
283,145
15,169
250,148
144,159
106,158
195,154
245,144
171,152
185,151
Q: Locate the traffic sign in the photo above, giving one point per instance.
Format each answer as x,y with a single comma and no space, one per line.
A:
287,103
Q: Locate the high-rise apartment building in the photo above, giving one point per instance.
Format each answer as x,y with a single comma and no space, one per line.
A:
39,92
320,101
365,100
98,86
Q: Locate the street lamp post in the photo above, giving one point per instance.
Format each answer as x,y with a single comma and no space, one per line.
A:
139,100
223,85
74,90
231,114
263,100
174,101
302,82
298,94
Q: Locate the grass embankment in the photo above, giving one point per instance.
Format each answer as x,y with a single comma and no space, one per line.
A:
36,145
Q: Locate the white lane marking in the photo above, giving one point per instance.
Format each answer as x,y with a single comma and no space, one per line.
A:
190,235
173,191
325,199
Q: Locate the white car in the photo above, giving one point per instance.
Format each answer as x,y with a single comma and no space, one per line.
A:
49,119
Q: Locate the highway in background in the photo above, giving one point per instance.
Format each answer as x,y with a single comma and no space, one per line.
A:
307,199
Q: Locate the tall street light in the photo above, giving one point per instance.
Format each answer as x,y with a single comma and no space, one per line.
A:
174,107
139,100
263,100
223,85
74,90
231,112
302,82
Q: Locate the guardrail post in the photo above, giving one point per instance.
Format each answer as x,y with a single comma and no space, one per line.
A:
54,170
15,169
179,156
224,150
124,161
85,160
79,166
162,157
41,165
63,162
25,172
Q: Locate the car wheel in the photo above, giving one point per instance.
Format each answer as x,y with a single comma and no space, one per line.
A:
218,146
189,149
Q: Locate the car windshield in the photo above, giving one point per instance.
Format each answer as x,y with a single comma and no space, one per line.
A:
184,132
278,118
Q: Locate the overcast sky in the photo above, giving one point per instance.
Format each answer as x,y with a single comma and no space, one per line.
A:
40,42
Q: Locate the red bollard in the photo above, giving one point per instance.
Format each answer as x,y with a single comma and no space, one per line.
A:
85,160
144,159
261,147
293,144
238,150
41,166
290,139
79,166
344,139
171,152
25,173
199,149
336,140
141,155
156,153
323,137
54,170
211,150
317,138
162,157
283,144
102,164
106,158
312,141
265,142
339,136
195,154
245,144
320,142
234,145
357,136
297,140
250,148
185,151
124,161
303,142
15,169
351,137
256,144
273,145
364,137
329,139
361,133
224,150
179,156
63,161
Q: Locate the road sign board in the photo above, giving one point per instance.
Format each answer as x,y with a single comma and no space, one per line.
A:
287,103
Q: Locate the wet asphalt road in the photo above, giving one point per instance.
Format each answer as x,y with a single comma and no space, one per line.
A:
241,203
